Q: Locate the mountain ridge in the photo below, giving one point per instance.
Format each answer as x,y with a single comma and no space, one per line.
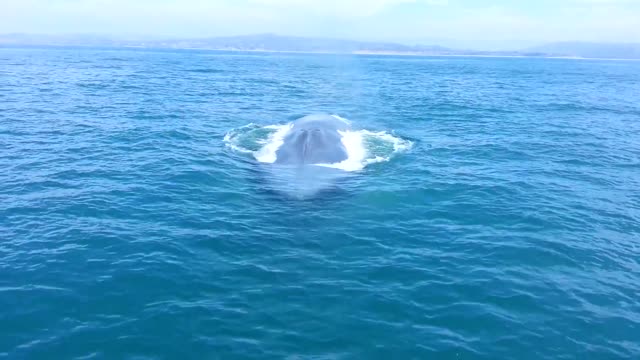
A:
287,43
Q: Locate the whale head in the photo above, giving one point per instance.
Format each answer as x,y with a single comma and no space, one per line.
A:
313,139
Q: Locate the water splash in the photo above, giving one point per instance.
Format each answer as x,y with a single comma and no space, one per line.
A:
363,147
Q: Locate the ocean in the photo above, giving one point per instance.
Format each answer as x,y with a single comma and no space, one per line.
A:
489,208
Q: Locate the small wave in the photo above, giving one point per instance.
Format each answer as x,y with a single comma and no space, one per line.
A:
205,71
363,147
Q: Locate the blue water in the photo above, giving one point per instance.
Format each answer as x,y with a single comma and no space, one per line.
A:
129,229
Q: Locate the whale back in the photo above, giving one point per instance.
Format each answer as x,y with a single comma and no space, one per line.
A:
324,122
313,139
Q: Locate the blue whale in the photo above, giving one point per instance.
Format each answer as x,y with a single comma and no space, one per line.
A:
311,140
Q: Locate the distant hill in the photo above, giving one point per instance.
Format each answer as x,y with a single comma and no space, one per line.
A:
285,43
591,50
259,42
264,42
272,42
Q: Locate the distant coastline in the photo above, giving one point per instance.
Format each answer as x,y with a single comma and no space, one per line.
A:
270,43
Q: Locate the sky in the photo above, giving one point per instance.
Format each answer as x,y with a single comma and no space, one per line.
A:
464,23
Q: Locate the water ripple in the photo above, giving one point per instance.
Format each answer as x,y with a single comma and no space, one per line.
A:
129,230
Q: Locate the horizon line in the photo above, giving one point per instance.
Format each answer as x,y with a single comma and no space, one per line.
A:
114,36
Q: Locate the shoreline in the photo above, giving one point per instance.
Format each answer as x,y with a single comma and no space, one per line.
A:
384,53
356,53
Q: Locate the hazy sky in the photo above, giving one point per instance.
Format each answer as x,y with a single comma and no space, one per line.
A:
467,21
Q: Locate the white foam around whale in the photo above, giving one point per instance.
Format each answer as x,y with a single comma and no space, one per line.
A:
363,147
267,153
